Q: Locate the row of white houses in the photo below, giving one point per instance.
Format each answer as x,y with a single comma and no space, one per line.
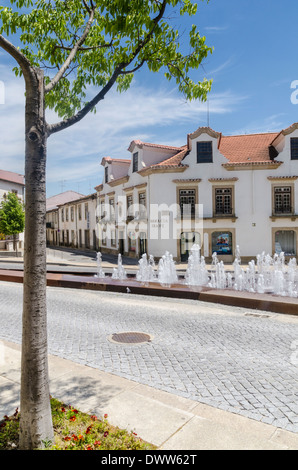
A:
218,191
14,183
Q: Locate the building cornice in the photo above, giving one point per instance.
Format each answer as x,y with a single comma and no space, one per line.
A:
162,169
118,181
235,166
187,180
223,180
282,178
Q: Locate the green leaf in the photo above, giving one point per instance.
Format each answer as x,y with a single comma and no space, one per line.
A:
124,35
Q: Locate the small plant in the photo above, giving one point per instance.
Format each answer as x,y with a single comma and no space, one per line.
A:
9,431
75,430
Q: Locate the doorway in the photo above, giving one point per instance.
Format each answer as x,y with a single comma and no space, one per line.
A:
187,240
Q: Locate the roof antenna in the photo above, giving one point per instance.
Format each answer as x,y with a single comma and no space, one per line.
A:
62,184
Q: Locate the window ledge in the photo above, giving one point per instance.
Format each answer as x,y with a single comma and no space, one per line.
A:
214,218
188,217
284,216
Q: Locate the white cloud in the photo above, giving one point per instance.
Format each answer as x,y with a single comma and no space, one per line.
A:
272,123
12,119
155,115
216,29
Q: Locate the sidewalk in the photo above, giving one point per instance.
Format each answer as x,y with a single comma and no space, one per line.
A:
75,258
168,421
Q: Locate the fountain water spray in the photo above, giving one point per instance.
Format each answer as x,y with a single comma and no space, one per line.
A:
166,270
146,272
196,273
265,275
119,272
100,273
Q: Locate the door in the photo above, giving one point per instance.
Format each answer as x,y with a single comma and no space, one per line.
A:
143,244
187,240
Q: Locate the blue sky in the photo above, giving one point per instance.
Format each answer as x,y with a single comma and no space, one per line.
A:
253,65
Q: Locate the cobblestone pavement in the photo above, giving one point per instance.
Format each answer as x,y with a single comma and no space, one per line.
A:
234,359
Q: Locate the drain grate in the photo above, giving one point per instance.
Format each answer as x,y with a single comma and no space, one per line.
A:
130,337
260,315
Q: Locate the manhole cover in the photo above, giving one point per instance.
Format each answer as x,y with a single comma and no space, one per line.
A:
130,337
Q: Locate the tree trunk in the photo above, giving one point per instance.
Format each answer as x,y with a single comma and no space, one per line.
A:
15,245
36,420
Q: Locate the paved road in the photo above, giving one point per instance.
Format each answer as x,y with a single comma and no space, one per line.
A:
234,359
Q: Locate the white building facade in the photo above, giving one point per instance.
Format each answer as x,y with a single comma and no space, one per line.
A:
71,221
218,191
15,183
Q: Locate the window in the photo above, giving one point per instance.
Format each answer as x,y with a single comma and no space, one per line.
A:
62,215
80,211
223,201
285,241
135,162
142,204
86,211
129,206
294,149
112,209
106,174
113,237
72,213
187,202
132,242
204,152
66,215
102,208
283,200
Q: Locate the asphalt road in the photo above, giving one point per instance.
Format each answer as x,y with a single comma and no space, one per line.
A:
237,360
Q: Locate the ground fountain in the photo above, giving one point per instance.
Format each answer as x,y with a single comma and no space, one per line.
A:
166,273
270,275
196,272
119,273
266,275
146,272
99,273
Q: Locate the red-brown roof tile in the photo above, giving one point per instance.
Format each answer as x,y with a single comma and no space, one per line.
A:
244,148
175,160
54,201
12,177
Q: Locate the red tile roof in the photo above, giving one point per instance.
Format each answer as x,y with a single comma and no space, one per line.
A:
114,160
141,144
12,177
237,149
175,160
62,198
245,148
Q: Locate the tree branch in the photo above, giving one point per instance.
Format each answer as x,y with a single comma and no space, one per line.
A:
137,67
150,34
53,128
20,58
72,54
91,48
